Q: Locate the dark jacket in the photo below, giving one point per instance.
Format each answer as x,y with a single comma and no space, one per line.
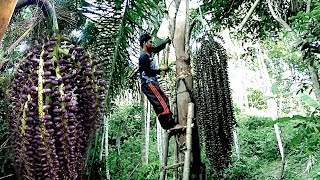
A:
147,65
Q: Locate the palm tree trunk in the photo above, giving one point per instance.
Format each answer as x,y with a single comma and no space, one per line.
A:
243,83
7,8
184,76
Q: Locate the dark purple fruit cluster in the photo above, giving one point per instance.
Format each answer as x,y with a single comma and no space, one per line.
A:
215,115
56,99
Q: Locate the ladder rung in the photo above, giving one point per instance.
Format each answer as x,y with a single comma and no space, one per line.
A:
173,166
179,131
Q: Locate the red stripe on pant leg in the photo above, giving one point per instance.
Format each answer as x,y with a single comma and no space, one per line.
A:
155,92
164,104
161,100
159,97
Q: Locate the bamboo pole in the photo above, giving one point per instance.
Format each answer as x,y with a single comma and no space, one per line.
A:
165,157
176,157
187,160
176,146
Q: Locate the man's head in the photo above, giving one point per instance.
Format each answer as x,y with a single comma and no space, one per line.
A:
145,41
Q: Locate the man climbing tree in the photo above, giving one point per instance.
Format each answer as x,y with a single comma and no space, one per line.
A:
149,82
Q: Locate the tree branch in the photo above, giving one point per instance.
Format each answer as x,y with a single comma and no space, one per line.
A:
276,17
308,6
246,18
195,20
231,6
4,177
15,44
47,9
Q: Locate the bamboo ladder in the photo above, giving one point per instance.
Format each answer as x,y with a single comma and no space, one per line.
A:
186,149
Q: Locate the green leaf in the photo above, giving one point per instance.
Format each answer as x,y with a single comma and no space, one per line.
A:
296,140
305,98
274,88
286,119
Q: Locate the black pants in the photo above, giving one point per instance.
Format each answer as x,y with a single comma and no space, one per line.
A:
160,104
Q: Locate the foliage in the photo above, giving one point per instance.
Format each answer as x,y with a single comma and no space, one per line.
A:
119,26
256,99
259,155
124,160
229,14
126,118
307,127
6,166
305,24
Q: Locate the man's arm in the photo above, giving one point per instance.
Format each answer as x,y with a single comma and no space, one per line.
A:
161,46
144,65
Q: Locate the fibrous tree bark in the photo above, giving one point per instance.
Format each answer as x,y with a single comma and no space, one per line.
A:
7,8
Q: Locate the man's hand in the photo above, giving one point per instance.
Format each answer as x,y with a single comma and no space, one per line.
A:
165,68
168,41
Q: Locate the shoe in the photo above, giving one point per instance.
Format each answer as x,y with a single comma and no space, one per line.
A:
176,127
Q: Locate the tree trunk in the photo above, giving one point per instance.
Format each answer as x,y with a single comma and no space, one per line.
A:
106,146
243,83
246,18
277,17
184,81
143,129
184,78
160,142
147,132
118,141
236,142
7,8
272,104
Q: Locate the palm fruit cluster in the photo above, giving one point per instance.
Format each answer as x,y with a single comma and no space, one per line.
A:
55,101
214,109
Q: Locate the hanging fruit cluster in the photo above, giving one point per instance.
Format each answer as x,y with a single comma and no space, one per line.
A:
56,98
213,102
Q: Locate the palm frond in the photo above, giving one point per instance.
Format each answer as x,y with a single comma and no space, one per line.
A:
120,23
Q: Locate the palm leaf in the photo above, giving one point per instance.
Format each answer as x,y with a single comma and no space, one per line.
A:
120,24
